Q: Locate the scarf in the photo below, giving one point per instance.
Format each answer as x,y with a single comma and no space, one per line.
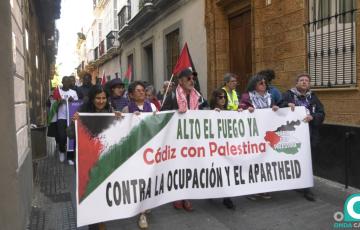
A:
301,99
183,103
260,102
133,107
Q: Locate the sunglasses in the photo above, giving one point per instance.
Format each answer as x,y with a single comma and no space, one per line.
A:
262,82
221,97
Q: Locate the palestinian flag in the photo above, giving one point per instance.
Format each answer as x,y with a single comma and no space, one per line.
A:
185,62
54,105
127,76
105,143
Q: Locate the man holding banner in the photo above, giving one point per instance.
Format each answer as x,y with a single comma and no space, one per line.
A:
301,95
187,98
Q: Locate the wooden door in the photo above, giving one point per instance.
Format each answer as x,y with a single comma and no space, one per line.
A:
240,48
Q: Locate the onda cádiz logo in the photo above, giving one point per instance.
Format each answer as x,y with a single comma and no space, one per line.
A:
350,217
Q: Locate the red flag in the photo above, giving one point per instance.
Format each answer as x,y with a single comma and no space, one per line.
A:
103,79
56,94
184,61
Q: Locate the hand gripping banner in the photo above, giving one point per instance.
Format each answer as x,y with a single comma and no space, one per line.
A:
129,165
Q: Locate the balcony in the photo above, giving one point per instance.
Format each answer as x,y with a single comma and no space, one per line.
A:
96,53
112,40
124,16
149,10
102,48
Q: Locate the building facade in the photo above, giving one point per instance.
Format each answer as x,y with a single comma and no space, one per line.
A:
291,37
152,34
99,51
28,47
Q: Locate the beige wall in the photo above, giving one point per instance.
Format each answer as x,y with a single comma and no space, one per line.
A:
279,42
20,103
15,157
190,19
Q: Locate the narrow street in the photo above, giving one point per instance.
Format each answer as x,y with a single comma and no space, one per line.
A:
53,207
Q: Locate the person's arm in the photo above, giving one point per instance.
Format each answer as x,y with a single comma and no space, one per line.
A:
318,112
287,100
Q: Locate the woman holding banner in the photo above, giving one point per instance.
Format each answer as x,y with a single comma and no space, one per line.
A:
218,102
137,104
98,103
257,97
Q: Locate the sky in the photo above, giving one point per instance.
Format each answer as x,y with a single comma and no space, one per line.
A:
74,15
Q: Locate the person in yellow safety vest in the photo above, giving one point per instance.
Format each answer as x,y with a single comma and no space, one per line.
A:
229,86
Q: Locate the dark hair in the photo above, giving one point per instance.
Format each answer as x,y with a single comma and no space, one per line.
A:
133,85
87,75
268,73
89,106
214,96
254,80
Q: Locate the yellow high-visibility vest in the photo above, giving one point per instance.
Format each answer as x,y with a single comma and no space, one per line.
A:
233,101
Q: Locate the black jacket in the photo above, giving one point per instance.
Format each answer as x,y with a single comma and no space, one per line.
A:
316,111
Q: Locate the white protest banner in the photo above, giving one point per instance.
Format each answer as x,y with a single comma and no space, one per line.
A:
139,162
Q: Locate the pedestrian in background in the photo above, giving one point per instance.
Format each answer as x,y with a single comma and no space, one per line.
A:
150,93
84,89
67,95
118,100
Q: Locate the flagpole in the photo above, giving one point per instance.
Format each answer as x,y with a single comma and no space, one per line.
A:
166,91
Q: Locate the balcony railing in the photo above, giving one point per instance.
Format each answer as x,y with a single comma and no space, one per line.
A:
144,3
102,48
112,40
124,16
96,53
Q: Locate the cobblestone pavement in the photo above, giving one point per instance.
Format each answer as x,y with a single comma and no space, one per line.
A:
53,207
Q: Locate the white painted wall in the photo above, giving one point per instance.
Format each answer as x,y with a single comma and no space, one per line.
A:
192,30
110,68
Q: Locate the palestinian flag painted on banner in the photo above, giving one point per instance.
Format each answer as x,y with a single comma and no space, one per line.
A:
99,156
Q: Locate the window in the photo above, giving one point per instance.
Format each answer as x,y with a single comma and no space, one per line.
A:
129,9
148,67
172,51
115,21
331,43
130,72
